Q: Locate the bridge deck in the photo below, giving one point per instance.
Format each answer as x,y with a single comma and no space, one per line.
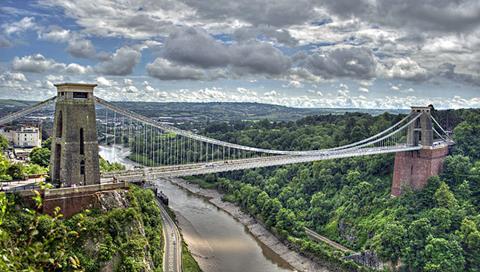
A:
241,164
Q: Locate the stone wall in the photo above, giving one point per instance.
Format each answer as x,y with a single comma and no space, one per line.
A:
414,168
71,200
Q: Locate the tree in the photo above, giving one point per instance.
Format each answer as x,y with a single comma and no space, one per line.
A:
3,143
4,165
32,169
320,207
418,233
47,143
441,219
286,221
445,198
443,255
391,242
40,156
106,166
16,171
470,240
455,169
467,136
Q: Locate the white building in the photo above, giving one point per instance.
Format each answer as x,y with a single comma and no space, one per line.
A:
27,137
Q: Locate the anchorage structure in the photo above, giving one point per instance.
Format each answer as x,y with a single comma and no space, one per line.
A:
163,150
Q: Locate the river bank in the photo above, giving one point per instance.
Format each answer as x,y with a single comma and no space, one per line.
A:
296,260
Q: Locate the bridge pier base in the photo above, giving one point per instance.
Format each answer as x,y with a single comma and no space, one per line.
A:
413,168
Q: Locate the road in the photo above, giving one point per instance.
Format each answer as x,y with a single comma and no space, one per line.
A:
172,255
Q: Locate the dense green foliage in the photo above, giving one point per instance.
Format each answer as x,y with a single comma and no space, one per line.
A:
348,200
467,135
17,171
40,156
3,143
128,239
106,166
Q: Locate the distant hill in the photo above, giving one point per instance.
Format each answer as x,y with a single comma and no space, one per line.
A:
224,111
214,111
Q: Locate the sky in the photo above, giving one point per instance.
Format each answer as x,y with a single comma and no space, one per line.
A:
303,53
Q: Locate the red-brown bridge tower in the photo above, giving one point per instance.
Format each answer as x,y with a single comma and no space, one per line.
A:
413,168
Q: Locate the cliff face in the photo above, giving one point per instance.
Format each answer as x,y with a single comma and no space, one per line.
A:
123,233
109,200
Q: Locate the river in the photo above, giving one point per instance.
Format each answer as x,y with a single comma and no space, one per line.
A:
217,241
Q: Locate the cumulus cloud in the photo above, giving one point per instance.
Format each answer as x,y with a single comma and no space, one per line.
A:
258,58
293,84
9,76
354,62
275,13
431,15
166,70
55,34
196,47
448,70
140,20
247,92
338,40
243,58
363,90
281,36
14,86
26,23
81,49
215,57
120,63
33,64
38,64
403,68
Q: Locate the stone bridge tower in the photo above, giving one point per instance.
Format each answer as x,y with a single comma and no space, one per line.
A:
414,168
74,158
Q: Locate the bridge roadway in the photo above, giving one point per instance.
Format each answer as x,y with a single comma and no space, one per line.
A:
149,173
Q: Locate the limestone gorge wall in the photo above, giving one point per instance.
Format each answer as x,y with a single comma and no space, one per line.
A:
123,233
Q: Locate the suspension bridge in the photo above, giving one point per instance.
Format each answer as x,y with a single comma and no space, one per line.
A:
82,121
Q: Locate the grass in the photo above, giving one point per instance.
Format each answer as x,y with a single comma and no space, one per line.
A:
188,262
202,182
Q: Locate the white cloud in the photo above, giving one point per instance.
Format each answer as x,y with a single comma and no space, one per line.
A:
81,48
9,76
26,23
247,92
120,63
55,34
363,90
293,84
403,68
38,64
104,82
166,70
271,93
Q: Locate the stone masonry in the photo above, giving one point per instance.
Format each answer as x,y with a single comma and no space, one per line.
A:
74,158
414,168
